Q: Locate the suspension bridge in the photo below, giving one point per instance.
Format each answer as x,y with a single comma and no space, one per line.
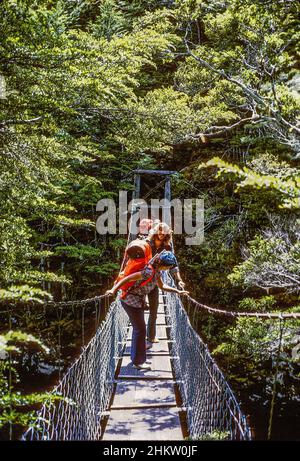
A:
104,397
185,394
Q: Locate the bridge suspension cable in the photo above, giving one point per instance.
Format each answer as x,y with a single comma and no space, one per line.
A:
75,302
259,315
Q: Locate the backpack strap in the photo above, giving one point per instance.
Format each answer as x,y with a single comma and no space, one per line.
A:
140,284
144,282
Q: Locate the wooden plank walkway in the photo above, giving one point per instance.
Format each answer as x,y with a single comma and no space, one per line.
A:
144,404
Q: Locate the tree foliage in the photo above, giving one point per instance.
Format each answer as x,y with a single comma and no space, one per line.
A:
91,90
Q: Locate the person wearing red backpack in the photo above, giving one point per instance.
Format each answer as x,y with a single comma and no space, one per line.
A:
137,255
133,300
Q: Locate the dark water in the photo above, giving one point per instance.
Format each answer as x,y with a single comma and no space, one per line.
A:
64,332
254,391
286,417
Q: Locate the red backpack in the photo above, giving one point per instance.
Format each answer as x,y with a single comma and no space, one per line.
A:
138,254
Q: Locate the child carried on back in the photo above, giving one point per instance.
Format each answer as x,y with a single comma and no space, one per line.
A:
141,273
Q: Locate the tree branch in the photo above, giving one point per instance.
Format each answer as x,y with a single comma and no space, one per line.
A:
248,91
21,122
221,130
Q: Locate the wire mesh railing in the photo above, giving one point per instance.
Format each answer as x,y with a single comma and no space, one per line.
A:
212,409
86,388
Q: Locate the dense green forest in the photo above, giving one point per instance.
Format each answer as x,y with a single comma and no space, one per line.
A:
90,90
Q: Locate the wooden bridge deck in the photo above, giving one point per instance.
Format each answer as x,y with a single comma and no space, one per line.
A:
144,404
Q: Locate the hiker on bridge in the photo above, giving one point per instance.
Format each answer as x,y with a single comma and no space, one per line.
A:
134,288
159,238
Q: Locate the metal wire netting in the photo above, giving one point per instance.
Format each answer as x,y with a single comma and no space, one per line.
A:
86,388
212,409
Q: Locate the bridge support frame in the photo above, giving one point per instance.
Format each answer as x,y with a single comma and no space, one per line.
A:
166,211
